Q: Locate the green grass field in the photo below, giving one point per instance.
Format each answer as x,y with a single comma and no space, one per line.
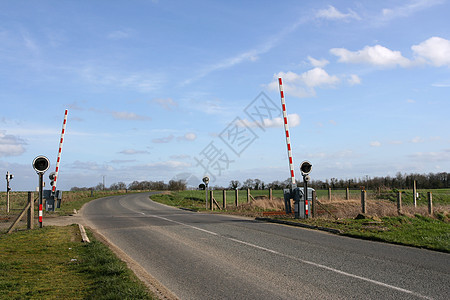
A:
53,263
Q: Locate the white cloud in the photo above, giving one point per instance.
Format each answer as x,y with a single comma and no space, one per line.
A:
318,63
170,164
133,152
123,115
302,85
163,140
167,104
407,9
140,81
331,13
91,166
354,79
435,50
417,139
318,77
375,55
375,144
432,156
11,145
190,136
410,101
293,121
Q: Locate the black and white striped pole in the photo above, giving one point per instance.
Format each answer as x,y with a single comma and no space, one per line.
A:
40,165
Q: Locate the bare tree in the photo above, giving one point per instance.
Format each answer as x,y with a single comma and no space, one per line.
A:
234,184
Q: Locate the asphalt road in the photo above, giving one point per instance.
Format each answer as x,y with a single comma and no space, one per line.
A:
207,256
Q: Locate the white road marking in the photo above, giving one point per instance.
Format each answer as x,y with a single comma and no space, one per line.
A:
295,258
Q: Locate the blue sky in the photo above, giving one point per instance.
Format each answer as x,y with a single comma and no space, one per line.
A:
161,90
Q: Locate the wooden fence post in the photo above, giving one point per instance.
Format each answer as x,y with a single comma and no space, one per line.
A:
347,194
399,202
30,215
313,204
329,194
224,199
270,194
430,203
211,196
363,202
236,198
248,195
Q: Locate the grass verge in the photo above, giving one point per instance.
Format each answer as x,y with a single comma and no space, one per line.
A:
417,231
52,263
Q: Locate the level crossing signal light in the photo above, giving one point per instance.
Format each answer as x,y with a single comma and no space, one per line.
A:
52,177
306,168
8,178
41,164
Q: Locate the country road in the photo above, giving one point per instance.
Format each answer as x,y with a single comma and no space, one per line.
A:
210,256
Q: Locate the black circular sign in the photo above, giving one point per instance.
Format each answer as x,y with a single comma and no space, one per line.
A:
305,167
41,164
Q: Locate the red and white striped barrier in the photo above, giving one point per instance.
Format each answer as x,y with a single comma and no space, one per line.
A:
59,152
286,128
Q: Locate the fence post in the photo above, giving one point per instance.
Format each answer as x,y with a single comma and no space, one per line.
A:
430,203
270,194
211,196
415,194
313,204
30,215
329,194
347,194
248,195
399,202
236,198
224,199
363,202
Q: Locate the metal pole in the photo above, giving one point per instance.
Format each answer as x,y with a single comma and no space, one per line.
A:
7,191
305,187
41,175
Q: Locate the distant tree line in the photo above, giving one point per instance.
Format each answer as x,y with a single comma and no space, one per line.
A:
173,185
399,181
